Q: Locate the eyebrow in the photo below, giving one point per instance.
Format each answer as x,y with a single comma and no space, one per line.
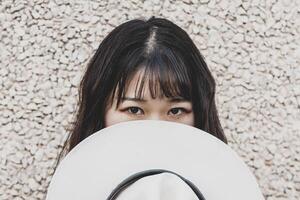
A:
176,99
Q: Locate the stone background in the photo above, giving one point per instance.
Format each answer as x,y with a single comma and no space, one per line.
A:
252,48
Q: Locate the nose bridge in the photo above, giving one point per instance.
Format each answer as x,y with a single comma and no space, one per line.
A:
155,116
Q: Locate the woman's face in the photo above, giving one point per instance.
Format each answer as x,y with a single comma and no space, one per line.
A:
176,110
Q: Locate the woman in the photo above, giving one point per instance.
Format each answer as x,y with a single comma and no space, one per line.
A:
146,70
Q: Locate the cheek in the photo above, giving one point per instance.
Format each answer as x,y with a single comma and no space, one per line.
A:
113,116
189,120
192,121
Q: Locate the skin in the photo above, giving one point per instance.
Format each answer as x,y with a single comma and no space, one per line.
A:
148,108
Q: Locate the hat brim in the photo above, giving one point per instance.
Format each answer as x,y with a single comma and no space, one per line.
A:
103,160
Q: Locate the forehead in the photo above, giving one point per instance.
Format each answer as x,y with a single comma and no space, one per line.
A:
137,88
135,83
152,82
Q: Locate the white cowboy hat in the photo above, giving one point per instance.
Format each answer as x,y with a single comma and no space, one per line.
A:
152,160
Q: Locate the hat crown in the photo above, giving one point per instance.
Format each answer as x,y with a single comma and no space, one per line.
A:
163,186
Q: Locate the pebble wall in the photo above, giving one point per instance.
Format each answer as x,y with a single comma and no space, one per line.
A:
252,48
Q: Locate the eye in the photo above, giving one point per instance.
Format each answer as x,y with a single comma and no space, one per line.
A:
133,110
175,111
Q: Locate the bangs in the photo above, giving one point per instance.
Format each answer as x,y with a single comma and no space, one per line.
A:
166,75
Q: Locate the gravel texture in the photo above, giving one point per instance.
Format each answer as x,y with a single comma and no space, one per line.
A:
251,47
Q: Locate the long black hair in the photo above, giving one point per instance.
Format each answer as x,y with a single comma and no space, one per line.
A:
167,55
